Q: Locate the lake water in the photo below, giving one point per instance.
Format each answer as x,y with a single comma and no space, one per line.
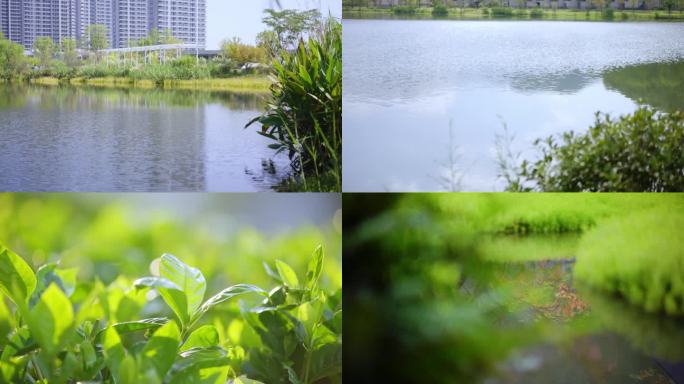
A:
406,82
97,139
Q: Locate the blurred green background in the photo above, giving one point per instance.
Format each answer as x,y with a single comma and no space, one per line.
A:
227,236
513,288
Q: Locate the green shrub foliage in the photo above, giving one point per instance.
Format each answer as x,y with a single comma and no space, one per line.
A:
640,152
57,329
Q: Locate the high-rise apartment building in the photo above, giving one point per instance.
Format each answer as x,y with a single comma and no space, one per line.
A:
127,21
95,12
22,21
186,19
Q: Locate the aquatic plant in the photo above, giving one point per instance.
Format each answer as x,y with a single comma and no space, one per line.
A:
60,329
304,115
640,257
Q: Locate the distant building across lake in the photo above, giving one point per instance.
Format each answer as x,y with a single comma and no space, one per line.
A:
560,4
126,21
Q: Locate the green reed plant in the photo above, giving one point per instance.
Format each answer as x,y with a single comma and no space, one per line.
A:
304,115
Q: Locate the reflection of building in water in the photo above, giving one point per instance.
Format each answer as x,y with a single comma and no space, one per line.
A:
116,146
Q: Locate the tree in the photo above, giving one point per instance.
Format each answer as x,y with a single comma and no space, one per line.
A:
69,51
12,60
290,25
43,49
96,37
235,50
669,4
268,41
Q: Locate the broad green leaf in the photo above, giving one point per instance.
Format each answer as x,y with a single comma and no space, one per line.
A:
114,352
287,274
227,294
210,356
202,337
172,294
6,320
160,351
47,274
51,319
201,365
17,279
313,272
326,362
189,279
128,371
134,326
245,380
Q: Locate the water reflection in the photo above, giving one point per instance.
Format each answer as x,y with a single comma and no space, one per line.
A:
660,85
105,139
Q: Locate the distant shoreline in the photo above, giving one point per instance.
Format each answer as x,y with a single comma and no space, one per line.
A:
485,13
246,84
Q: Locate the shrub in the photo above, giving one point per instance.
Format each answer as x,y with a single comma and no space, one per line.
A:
440,10
536,13
304,117
608,14
502,12
485,11
639,257
59,329
639,152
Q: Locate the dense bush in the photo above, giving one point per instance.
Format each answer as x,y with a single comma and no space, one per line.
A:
60,329
440,10
640,257
304,116
537,13
502,12
639,152
608,14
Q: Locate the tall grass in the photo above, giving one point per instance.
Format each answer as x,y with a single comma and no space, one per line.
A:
640,257
304,115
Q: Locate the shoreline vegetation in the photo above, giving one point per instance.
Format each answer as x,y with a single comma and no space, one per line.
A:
499,12
240,84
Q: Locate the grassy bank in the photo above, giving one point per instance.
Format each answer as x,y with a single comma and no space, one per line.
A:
498,13
252,84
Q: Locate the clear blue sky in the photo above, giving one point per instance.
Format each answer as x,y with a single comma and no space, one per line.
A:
242,18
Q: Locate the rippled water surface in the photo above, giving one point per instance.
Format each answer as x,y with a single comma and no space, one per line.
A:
84,139
407,81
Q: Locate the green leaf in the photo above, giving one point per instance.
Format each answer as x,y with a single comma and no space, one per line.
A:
201,365
313,272
140,325
245,380
160,351
128,371
172,294
202,337
227,294
17,279
48,273
51,319
287,274
190,280
114,352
